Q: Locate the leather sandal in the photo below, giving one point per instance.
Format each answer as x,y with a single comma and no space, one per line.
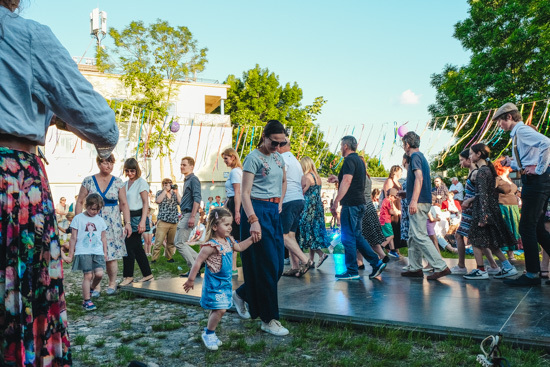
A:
321,260
304,268
291,272
145,279
126,281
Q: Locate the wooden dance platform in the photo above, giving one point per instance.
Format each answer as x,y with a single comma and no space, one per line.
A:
449,306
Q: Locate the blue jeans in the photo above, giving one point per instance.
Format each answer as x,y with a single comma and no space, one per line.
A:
352,238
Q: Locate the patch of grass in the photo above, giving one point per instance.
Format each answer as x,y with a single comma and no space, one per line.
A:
142,343
176,354
79,340
85,357
167,326
124,354
131,337
99,343
117,334
125,325
161,336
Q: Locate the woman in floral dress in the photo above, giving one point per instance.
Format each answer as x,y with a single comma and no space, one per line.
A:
313,233
112,190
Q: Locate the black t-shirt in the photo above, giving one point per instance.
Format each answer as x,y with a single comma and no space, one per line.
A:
353,165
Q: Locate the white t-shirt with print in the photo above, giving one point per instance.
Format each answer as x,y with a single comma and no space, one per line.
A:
88,239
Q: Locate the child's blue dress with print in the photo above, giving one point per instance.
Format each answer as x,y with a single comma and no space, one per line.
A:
217,286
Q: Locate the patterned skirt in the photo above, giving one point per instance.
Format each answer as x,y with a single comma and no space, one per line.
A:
371,229
33,315
465,223
511,216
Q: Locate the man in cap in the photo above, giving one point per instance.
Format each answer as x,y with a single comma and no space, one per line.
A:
531,157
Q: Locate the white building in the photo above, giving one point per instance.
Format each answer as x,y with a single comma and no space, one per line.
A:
201,135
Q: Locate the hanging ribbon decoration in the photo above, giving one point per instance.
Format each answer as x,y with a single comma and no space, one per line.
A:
161,132
381,148
239,139
541,121
139,137
465,136
368,137
218,156
305,145
459,126
394,137
530,118
251,139
207,149
198,144
480,130
438,135
361,135
244,142
238,136
487,128
189,138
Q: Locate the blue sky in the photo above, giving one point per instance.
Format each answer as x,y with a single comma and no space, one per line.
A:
371,60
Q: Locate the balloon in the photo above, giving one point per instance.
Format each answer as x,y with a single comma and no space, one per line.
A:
402,130
174,127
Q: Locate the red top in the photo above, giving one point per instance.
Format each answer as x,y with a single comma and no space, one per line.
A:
385,216
445,205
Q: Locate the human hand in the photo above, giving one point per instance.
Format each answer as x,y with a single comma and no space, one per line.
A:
506,162
127,230
529,170
141,226
238,217
188,285
413,207
280,206
256,232
481,224
191,222
332,179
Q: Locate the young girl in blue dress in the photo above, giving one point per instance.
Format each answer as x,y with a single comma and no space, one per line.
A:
217,252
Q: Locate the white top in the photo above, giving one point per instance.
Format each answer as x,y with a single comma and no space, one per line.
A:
294,175
133,193
88,239
202,229
235,177
458,187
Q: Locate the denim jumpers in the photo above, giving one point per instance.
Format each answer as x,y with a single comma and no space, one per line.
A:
217,287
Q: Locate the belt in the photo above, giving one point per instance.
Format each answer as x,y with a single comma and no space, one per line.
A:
271,200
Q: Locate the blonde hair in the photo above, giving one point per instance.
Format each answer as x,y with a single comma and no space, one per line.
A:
215,215
308,165
233,153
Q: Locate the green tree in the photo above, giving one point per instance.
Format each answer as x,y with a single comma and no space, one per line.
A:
150,60
509,41
258,96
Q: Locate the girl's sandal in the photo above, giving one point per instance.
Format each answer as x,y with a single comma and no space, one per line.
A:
126,281
291,272
304,268
321,260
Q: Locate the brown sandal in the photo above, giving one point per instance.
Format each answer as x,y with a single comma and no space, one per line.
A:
146,279
126,281
321,261
291,272
304,268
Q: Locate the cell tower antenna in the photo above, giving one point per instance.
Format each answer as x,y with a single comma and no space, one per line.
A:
98,25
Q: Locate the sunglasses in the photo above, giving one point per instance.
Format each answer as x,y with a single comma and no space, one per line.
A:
130,170
276,144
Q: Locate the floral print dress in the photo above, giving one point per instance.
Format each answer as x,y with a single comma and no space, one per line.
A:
33,313
116,248
313,233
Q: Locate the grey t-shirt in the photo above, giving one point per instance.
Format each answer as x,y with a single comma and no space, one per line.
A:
268,174
368,190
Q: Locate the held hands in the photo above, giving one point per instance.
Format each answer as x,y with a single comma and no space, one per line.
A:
67,258
188,285
256,232
332,179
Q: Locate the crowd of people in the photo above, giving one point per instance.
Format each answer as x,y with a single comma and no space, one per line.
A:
274,202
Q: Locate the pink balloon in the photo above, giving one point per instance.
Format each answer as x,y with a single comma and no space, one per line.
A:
402,130
175,127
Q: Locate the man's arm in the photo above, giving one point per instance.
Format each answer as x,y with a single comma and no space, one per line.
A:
418,180
342,191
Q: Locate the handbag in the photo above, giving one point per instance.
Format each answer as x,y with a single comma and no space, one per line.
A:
135,218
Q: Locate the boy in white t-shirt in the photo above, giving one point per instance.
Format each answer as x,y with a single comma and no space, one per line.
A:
88,247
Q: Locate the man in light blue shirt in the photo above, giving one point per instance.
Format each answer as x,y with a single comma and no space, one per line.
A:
531,156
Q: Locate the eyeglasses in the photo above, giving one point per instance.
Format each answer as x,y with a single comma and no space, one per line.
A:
106,162
130,170
276,144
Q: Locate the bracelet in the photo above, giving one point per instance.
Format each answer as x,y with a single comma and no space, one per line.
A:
252,219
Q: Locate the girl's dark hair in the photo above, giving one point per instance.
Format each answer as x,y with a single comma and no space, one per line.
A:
214,217
407,158
272,127
484,152
131,163
465,154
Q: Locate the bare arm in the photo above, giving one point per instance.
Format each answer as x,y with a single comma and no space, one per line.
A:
283,192
204,253
418,179
342,189
125,209
80,200
306,183
243,245
255,228
237,199
72,245
145,199
104,241
161,197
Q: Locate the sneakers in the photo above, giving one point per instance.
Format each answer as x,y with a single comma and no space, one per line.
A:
378,270
386,259
361,267
234,273
88,305
210,341
493,271
505,273
522,281
394,254
110,291
347,276
439,274
274,327
413,274
240,305
458,270
94,293
477,274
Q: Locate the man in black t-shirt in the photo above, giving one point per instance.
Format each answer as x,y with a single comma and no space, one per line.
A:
351,189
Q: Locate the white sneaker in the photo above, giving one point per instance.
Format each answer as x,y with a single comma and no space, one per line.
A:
493,271
477,274
210,341
458,270
331,249
218,341
274,327
240,305
406,268
505,273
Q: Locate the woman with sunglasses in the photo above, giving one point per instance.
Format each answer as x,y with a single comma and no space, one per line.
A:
112,191
137,193
263,189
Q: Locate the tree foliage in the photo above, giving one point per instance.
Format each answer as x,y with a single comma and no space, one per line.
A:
510,62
